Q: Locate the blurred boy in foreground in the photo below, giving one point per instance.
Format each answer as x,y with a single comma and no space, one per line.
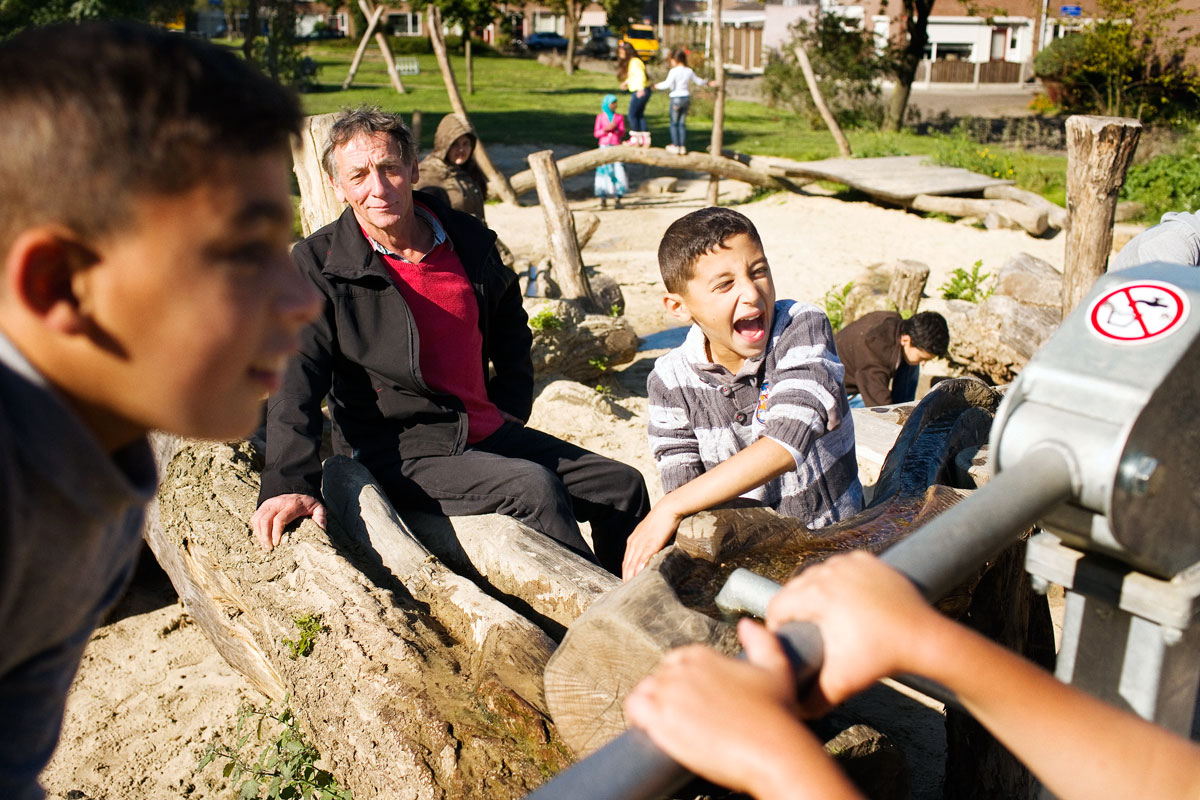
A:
145,220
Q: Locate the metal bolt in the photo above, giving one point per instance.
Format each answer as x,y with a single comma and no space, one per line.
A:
1141,475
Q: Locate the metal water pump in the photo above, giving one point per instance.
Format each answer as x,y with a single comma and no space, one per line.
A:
1097,441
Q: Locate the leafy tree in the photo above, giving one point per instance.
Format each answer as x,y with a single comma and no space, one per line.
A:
905,54
619,14
847,68
1129,64
15,15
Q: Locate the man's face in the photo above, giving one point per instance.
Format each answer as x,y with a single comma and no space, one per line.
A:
461,149
195,309
731,297
372,177
913,354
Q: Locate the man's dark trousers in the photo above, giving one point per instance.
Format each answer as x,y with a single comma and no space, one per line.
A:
533,477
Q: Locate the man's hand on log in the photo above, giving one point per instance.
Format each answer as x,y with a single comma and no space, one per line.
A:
274,515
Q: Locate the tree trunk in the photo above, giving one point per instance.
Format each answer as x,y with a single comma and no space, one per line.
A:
1099,150
385,48
251,32
318,204
496,179
907,286
524,181
560,229
718,131
1011,213
572,24
470,58
830,121
372,22
916,36
417,685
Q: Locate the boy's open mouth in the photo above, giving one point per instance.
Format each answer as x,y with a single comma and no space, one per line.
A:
752,329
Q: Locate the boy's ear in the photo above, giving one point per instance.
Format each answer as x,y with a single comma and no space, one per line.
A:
677,307
905,340
41,272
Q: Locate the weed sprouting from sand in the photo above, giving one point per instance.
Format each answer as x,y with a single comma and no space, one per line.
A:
309,626
286,767
599,362
835,305
545,320
970,286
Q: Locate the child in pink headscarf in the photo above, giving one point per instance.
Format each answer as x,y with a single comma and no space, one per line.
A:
609,130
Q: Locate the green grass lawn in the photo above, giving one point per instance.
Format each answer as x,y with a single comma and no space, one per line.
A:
518,100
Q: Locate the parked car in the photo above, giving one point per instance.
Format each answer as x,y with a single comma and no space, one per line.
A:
602,43
643,40
544,40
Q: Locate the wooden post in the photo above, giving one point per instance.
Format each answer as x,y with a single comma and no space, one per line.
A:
372,22
560,229
495,177
718,130
318,204
373,16
830,122
1099,150
907,286
414,125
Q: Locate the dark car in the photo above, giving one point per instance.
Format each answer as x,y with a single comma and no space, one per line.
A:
601,44
545,41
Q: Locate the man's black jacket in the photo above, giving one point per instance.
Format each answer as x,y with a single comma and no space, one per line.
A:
362,352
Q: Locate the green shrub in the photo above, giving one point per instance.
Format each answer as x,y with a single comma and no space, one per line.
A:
545,320
286,767
835,305
958,150
1165,183
970,286
309,625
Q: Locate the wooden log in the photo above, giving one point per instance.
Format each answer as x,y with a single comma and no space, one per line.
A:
318,204
414,125
384,48
717,143
497,182
1034,221
586,224
372,22
1056,215
1099,150
548,583
907,285
397,693
819,101
524,181
584,346
560,230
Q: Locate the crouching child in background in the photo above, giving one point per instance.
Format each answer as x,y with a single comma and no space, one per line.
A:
145,284
751,405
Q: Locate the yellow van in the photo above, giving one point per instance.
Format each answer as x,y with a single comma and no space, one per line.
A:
643,41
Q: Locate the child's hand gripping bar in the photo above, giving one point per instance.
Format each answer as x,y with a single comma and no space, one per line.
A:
937,557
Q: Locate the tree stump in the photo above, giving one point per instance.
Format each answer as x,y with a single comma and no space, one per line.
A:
1099,150
907,286
579,345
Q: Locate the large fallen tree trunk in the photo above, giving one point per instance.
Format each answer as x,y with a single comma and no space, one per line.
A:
579,163
1033,220
417,686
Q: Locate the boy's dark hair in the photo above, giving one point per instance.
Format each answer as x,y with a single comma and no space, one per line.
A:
928,332
351,122
98,114
679,56
694,235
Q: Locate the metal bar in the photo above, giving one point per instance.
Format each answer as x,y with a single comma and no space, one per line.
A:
937,557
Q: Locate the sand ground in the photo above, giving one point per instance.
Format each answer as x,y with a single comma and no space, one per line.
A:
152,691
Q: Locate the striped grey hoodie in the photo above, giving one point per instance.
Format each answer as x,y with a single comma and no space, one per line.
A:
701,414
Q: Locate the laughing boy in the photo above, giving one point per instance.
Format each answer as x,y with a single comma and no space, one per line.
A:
751,405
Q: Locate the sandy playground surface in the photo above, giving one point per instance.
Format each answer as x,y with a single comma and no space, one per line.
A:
152,691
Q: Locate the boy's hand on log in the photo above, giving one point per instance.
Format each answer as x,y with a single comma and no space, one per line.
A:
720,717
275,514
650,536
873,623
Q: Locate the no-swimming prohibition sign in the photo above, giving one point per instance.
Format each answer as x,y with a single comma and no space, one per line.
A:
1138,312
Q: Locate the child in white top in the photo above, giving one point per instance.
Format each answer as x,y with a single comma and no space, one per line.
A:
679,83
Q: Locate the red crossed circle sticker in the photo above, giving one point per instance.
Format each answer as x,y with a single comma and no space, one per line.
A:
1138,312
